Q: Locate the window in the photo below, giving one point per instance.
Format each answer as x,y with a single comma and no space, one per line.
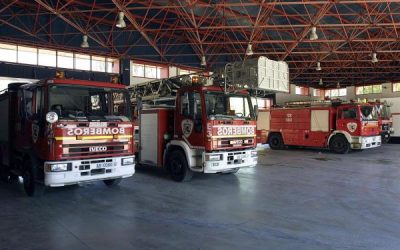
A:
65,60
318,93
138,70
47,57
60,59
8,52
39,102
149,71
28,98
302,90
27,55
228,106
98,63
370,89
349,113
262,103
396,87
112,65
185,71
332,93
82,62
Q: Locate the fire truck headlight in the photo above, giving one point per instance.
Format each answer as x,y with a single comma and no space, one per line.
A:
216,157
51,117
59,167
254,153
128,161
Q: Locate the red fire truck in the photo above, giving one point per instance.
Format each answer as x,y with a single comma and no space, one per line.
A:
189,127
60,132
337,126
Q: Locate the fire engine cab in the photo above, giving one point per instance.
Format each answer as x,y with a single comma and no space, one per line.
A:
337,126
60,132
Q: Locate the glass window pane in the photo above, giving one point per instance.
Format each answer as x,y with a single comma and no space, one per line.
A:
377,88
65,60
8,53
396,87
27,55
150,71
47,58
98,63
368,90
112,65
327,93
183,72
359,90
334,92
138,70
298,90
82,62
343,92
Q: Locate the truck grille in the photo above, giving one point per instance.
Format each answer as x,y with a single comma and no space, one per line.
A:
74,150
232,142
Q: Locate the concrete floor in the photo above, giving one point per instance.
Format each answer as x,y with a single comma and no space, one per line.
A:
297,199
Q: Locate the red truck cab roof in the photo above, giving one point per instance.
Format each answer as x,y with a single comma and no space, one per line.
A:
83,83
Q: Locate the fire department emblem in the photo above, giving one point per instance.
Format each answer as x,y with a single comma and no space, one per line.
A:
187,127
352,126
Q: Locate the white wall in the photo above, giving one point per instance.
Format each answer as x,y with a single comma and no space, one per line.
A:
281,98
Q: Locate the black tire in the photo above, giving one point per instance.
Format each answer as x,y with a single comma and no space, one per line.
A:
112,182
178,167
339,145
31,179
275,141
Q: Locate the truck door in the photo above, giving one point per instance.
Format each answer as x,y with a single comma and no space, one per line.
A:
30,123
189,123
23,124
347,120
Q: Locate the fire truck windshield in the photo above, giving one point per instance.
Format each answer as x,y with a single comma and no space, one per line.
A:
228,106
368,113
89,103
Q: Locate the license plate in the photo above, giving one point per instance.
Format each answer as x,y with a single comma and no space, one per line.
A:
104,165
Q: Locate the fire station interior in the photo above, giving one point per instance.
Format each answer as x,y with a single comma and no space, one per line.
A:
199,124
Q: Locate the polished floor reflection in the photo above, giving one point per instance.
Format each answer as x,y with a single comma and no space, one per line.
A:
294,199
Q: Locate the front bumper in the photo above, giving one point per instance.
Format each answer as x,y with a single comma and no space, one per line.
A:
363,142
88,170
229,161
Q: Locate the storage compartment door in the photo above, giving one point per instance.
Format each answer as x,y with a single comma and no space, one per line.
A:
320,120
148,138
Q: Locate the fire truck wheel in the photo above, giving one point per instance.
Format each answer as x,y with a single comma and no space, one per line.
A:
178,167
112,182
339,145
275,141
30,177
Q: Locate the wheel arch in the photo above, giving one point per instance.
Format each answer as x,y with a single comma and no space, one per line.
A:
178,145
339,133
